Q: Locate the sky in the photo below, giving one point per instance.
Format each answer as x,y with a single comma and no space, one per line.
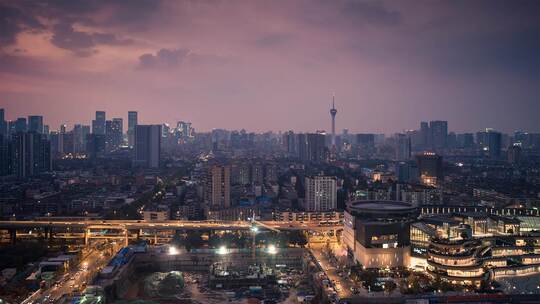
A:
274,65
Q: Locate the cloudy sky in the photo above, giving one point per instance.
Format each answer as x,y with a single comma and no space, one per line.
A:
274,65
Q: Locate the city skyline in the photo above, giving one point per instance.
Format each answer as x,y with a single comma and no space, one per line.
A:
391,64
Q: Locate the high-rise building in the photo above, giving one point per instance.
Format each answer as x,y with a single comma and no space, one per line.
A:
31,154
147,146
439,133
5,155
113,134
290,144
98,124
425,138
20,125
403,147
465,141
514,154
489,143
3,123
95,145
132,123
321,193
79,137
35,123
217,187
429,168
316,147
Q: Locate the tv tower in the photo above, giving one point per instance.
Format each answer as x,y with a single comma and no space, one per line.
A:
333,113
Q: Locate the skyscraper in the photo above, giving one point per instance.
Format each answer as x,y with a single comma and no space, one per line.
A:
20,125
147,146
132,123
430,168
3,123
98,125
79,137
316,147
113,134
439,133
217,187
403,147
333,113
31,154
489,143
35,123
321,193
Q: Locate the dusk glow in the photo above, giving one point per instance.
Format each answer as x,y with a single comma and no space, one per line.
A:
273,65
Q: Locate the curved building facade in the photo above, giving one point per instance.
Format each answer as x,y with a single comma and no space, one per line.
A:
377,233
457,261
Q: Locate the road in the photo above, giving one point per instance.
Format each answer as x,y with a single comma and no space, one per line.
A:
76,279
342,284
162,225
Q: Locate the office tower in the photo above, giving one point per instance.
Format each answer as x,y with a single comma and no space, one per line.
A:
63,128
3,123
217,187
425,138
489,143
5,159
31,154
439,133
98,124
132,123
79,137
514,154
147,146
465,141
316,147
20,125
451,140
35,123
403,147
68,142
430,168
95,145
333,113
290,144
321,193
406,172
165,130
113,134
46,129
57,144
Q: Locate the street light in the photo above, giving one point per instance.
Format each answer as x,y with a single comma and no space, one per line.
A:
272,249
173,250
222,250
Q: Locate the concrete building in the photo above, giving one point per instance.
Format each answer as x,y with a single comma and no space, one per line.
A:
217,187
377,233
321,193
147,146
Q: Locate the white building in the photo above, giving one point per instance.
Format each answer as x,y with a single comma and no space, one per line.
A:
321,193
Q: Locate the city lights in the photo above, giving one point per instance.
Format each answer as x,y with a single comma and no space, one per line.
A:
173,250
272,249
222,250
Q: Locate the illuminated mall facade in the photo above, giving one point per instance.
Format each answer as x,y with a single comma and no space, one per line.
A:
461,248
